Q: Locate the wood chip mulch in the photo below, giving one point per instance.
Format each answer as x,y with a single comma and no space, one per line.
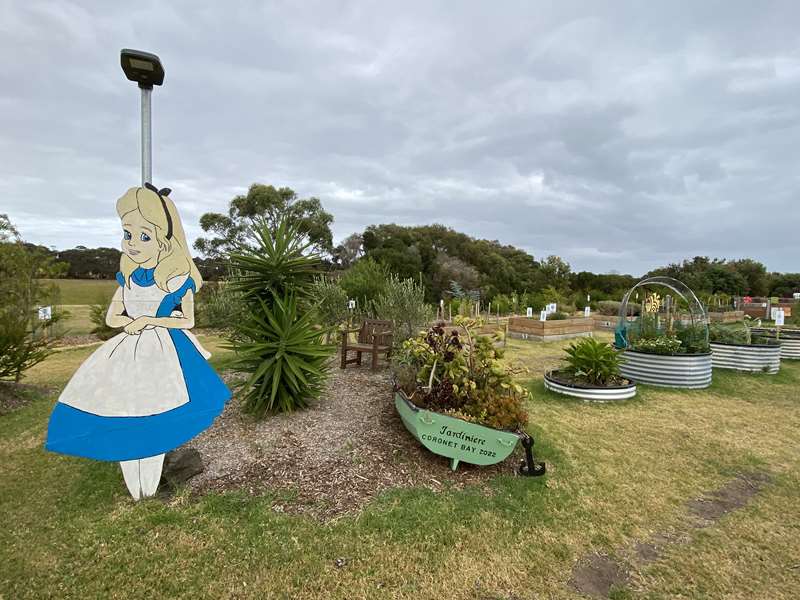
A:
76,340
334,457
17,395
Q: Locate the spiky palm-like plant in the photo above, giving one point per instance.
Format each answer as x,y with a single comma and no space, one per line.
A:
278,343
282,350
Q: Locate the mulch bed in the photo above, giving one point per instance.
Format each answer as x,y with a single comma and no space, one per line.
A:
17,395
333,457
76,340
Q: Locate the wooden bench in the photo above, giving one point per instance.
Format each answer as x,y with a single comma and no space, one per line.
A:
374,336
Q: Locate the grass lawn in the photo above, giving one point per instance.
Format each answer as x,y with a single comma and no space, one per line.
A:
617,474
84,291
76,297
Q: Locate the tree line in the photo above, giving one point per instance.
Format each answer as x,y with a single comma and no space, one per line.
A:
444,261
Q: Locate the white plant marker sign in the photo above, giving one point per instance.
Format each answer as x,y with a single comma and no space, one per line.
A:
587,312
45,313
351,305
529,312
543,315
773,313
780,317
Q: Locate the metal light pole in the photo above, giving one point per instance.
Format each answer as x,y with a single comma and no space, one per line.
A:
145,69
147,137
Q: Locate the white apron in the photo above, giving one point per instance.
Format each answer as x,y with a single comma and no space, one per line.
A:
133,375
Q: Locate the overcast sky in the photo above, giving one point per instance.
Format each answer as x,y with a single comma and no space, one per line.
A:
620,136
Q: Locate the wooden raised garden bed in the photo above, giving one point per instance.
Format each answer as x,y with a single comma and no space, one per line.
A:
753,358
605,322
728,316
458,440
692,371
553,383
544,331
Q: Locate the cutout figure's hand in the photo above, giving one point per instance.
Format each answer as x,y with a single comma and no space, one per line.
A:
135,327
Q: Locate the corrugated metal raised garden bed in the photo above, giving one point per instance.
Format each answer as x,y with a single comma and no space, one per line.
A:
691,371
753,358
789,340
610,393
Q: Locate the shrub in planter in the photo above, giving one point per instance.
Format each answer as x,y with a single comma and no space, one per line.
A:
460,374
592,362
592,372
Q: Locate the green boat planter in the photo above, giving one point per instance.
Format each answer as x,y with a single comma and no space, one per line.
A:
462,441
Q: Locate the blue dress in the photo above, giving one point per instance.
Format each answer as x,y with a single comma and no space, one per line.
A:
139,395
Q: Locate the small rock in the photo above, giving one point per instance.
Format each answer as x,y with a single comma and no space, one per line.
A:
340,562
181,465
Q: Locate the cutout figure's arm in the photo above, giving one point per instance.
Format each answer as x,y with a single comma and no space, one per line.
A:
115,316
186,321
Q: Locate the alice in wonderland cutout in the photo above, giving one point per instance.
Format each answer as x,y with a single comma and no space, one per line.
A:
149,389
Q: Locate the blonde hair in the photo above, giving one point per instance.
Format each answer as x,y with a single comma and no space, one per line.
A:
173,257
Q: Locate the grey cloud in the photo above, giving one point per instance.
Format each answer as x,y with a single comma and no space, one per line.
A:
619,135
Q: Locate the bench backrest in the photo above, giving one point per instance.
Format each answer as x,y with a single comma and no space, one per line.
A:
375,325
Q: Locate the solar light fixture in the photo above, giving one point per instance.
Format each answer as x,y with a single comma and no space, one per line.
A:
142,67
145,69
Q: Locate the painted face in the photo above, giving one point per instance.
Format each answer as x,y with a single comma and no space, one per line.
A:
139,239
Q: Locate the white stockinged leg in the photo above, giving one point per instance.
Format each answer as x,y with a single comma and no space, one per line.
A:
142,476
130,471
150,474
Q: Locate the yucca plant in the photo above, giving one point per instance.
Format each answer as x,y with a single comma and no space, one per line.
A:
284,354
595,361
277,340
274,261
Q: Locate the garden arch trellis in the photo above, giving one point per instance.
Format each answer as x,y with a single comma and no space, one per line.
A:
697,312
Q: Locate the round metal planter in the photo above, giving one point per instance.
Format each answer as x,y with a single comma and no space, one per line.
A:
789,341
595,394
790,347
690,371
751,358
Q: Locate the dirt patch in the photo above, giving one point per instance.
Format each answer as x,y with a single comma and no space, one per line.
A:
733,495
597,575
333,457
